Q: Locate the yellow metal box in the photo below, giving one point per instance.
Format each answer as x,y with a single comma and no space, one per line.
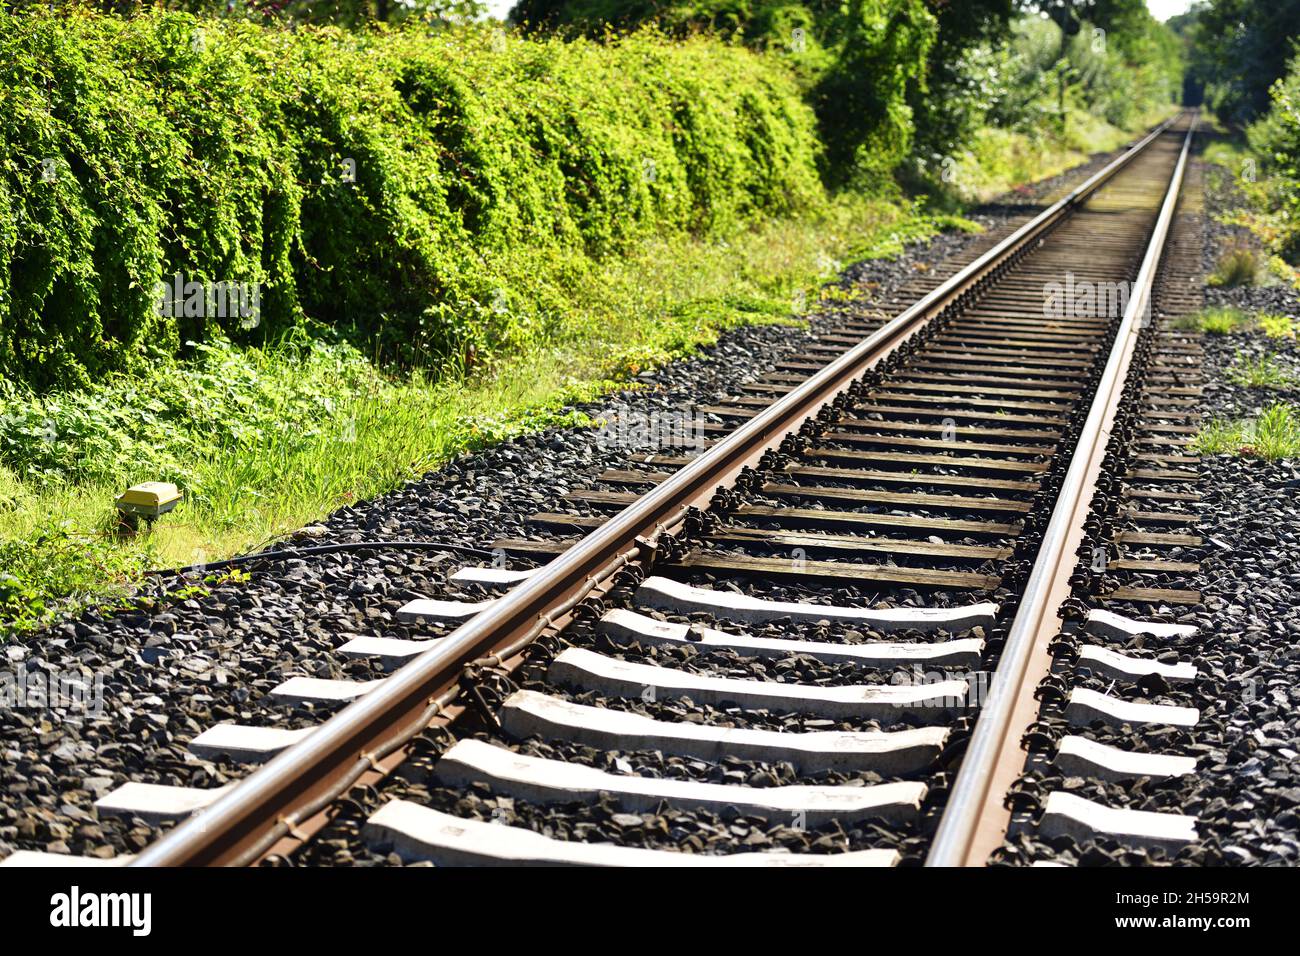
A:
150,498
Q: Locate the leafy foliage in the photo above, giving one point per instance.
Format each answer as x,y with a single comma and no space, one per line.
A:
345,13
866,122
149,424
897,79
1277,326
858,60
961,77
1275,139
41,572
1239,48
134,149
1118,67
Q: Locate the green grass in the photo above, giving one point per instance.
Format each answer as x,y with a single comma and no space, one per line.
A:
1277,326
998,160
1217,320
1223,319
264,441
1240,265
1263,372
1274,434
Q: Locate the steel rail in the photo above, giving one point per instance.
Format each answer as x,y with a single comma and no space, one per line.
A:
974,820
292,787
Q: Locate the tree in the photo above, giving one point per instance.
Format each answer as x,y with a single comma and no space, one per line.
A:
863,62
1239,48
957,89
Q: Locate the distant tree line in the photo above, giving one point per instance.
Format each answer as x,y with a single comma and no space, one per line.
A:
1236,51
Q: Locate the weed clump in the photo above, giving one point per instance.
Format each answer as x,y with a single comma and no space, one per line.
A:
1240,265
1274,434
1277,326
1217,320
1263,372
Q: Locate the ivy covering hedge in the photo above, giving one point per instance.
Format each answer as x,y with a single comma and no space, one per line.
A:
397,185
857,60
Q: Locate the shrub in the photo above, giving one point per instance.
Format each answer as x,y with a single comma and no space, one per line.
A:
1240,265
375,181
1217,320
857,59
1277,326
1275,137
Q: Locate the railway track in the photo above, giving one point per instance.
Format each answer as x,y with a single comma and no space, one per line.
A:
841,613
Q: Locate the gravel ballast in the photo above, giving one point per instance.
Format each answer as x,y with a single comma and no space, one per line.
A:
1245,793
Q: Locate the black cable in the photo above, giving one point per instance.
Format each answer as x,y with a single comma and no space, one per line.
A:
320,549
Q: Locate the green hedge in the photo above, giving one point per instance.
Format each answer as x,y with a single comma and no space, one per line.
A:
134,149
857,60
